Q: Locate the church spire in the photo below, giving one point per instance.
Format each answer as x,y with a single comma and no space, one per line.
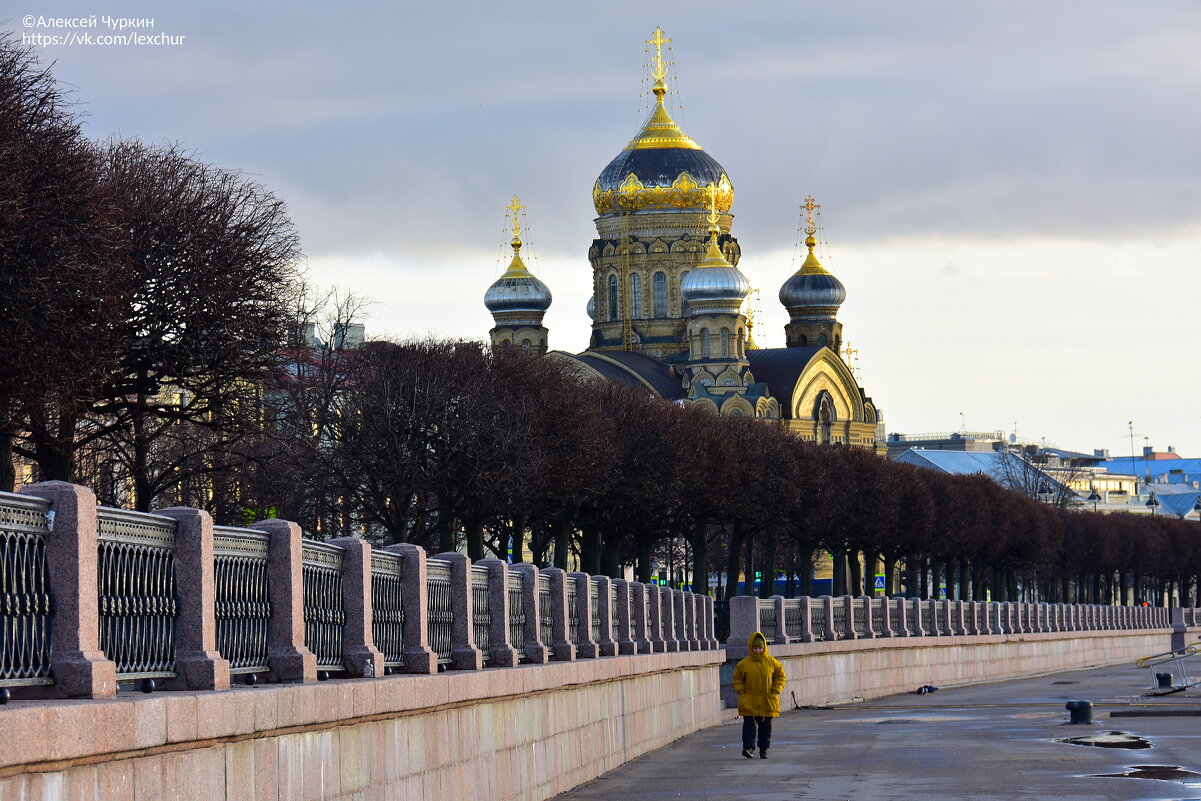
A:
660,130
518,300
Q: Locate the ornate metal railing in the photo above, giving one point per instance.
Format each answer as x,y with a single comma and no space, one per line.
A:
860,607
516,590
573,614
481,610
594,592
324,616
839,624
767,620
817,618
793,622
545,617
24,591
242,600
387,607
136,588
441,612
878,616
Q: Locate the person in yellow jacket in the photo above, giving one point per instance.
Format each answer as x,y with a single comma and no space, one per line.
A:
758,680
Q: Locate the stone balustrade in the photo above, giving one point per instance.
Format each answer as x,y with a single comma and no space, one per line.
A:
104,596
827,619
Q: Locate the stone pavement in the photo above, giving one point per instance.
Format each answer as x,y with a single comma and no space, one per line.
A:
973,743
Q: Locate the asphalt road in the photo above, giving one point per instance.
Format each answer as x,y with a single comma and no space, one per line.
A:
973,743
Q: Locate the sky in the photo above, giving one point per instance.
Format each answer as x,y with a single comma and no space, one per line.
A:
1011,192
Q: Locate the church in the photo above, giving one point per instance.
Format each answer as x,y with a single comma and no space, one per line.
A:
669,301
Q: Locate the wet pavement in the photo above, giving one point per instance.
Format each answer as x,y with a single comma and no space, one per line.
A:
1007,740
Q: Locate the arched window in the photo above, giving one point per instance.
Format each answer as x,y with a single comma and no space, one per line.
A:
725,342
525,346
683,303
660,295
613,297
635,296
704,343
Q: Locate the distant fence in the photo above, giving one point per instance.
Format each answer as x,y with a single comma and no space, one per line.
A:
95,596
827,619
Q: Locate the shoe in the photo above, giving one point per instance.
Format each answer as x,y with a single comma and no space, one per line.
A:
763,754
746,752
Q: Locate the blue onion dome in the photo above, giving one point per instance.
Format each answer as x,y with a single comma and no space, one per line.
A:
518,289
592,308
812,288
661,168
715,284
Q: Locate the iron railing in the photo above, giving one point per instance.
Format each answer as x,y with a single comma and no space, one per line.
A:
387,607
516,590
767,620
594,593
481,610
859,605
878,617
24,591
242,599
324,616
817,618
136,587
793,619
545,618
440,625
573,614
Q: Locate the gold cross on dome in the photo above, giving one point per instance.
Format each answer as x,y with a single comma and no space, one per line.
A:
659,69
515,206
810,206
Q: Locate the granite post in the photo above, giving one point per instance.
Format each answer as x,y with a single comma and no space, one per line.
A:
198,665
287,656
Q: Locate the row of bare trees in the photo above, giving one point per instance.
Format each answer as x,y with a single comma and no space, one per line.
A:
144,299
450,444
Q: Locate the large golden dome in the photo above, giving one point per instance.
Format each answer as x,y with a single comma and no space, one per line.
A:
661,167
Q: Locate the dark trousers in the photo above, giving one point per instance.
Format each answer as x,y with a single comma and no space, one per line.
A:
749,724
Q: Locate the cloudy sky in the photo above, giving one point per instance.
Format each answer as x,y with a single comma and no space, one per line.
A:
1011,192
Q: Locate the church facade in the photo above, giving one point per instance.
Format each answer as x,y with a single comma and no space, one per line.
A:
668,296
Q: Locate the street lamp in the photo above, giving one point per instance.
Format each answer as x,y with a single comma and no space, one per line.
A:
1152,503
1044,491
1093,496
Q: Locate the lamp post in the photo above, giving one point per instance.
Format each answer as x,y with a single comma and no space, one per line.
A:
1093,496
1152,503
1044,492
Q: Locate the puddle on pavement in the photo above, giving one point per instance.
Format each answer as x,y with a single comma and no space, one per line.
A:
1109,739
1167,773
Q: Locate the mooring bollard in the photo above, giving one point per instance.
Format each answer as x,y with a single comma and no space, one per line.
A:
1082,711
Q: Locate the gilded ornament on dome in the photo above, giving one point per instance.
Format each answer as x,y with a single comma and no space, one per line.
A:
684,192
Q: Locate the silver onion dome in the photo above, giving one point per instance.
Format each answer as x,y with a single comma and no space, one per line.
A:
810,290
592,308
714,280
514,292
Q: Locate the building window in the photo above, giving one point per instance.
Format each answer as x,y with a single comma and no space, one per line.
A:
525,346
704,343
725,342
635,297
613,297
660,295
683,303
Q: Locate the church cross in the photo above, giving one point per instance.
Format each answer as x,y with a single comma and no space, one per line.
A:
515,206
658,40
810,206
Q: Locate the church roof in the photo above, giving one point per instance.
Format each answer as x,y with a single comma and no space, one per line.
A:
628,368
780,368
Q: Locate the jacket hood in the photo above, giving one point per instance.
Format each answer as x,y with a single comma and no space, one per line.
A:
750,644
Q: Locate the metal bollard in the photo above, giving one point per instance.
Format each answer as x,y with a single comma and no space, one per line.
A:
1163,681
1082,711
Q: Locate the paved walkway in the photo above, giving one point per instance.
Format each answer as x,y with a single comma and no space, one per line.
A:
991,741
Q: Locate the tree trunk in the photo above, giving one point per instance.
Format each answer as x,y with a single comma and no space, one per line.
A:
700,557
474,530
562,541
806,583
871,561
734,554
748,587
590,548
645,544
767,587
8,471
517,539
611,551
839,583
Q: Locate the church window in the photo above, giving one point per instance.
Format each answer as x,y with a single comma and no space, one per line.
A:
660,289
821,340
725,342
525,346
613,297
704,343
683,303
635,296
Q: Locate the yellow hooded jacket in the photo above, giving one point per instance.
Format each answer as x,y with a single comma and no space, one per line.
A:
759,680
